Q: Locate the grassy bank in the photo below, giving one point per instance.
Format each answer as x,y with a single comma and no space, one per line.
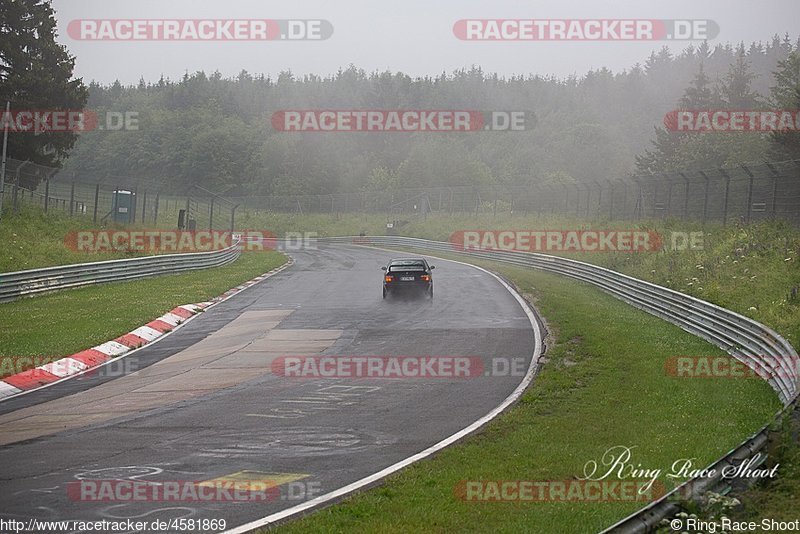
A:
33,239
603,385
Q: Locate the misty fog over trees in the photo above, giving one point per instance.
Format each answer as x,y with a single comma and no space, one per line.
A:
216,132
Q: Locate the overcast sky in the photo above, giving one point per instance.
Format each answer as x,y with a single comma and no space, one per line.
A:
412,36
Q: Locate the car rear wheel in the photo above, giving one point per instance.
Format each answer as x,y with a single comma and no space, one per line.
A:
384,292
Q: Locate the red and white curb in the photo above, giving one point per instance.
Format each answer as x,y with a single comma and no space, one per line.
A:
80,362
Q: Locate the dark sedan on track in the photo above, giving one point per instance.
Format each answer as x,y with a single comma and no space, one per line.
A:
408,275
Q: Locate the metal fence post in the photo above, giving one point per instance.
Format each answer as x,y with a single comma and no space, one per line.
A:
588,199
599,196
72,196
47,193
610,201
749,193
669,195
775,175
725,204
685,195
132,211
96,199
233,217
3,161
705,197
16,186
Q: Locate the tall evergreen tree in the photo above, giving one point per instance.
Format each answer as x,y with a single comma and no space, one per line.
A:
36,74
786,95
665,154
735,90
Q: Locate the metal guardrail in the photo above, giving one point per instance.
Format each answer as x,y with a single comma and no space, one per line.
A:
749,341
19,284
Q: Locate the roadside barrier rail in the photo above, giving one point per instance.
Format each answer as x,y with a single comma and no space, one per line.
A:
15,285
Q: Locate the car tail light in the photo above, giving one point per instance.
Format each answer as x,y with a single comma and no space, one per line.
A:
426,278
388,278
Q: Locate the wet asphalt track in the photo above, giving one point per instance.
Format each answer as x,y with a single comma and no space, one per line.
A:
331,432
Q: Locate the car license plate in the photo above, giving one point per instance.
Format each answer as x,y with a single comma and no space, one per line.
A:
406,278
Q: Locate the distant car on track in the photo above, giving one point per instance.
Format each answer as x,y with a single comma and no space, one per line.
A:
408,275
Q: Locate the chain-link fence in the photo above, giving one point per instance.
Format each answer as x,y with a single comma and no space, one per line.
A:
122,201
744,193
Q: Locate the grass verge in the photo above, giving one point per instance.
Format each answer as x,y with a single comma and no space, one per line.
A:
33,239
603,385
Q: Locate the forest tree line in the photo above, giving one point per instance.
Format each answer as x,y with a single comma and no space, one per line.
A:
216,132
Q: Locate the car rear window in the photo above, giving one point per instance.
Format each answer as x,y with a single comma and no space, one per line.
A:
407,266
